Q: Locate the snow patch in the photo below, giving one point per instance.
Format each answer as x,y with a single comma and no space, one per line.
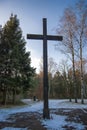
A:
55,123
58,122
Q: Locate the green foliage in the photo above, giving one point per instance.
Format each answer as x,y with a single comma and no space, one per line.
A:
15,68
60,85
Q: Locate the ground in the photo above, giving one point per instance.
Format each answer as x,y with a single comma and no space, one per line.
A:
31,122
64,118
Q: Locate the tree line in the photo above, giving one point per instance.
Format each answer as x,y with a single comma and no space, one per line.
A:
61,85
16,73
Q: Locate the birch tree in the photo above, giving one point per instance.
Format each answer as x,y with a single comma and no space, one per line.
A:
67,28
74,28
81,37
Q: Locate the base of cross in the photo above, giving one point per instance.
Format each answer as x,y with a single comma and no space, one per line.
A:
46,113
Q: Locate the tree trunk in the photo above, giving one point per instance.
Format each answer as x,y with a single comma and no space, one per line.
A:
74,77
4,96
70,93
81,73
14,96
49,90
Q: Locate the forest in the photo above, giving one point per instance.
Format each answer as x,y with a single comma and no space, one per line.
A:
68,79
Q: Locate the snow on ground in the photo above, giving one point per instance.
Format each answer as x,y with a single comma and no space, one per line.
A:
55,123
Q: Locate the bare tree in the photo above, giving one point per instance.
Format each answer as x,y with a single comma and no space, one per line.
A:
64,68
74,28
67,28
52,68
81,37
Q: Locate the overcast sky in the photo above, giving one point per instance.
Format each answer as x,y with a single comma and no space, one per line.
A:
30,13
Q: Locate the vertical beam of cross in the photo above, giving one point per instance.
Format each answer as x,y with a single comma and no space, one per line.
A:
45,37
45,72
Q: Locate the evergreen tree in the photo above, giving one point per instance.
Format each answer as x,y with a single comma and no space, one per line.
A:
16,72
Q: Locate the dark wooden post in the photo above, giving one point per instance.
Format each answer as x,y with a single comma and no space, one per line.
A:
45,71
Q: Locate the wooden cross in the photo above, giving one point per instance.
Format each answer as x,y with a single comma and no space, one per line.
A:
45,37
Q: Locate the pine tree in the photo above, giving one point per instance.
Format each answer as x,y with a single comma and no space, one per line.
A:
16,70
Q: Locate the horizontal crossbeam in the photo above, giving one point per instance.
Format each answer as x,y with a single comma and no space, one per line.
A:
35,36
55,38
41,37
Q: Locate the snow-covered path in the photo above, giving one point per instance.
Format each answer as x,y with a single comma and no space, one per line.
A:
38,106
53,124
